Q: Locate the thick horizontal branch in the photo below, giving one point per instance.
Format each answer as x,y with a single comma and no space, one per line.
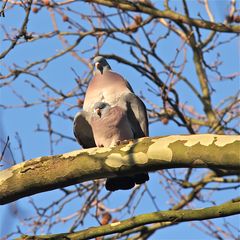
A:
146,154
169,14
223,210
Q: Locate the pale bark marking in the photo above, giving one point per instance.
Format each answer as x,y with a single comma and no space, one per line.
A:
116,160
224,140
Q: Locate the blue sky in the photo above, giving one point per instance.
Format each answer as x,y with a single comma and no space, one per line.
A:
24,121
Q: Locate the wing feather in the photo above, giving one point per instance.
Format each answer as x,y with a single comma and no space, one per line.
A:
136,113
82,130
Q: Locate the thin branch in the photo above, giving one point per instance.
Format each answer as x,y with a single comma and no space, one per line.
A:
22,32
226,209
4,149
2,13
177,17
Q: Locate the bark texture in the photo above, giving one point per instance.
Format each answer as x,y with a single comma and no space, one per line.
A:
146,154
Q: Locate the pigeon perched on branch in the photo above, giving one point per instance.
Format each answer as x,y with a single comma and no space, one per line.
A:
111,114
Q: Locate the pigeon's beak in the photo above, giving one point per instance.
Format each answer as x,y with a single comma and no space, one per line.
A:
99,67
98,111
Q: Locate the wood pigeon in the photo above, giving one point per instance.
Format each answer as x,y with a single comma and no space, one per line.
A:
106,86
111,113
110,125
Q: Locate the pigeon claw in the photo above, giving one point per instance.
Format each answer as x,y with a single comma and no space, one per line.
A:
119,142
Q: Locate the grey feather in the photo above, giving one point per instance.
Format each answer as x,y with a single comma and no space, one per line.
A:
110,125
136,113
82,130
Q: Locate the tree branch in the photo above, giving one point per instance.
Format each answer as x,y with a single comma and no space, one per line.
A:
145,154
169,14
223,210
22,32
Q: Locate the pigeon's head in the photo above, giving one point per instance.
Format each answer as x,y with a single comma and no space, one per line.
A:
100,108
101,64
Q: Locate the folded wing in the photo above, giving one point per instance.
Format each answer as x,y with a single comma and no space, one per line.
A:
82,130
